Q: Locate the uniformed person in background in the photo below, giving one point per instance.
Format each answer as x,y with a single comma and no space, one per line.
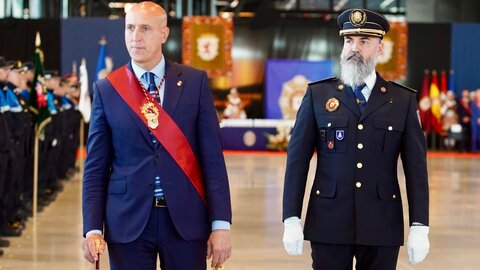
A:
10,225
358,125
4,137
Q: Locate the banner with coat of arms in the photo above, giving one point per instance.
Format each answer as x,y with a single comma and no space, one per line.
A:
207,44
392,65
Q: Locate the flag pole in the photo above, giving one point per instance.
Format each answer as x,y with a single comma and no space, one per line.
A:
81,148
35,174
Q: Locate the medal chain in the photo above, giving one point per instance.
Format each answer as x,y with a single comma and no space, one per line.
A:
149,97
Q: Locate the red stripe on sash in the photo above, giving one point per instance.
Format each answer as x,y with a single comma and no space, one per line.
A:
168,133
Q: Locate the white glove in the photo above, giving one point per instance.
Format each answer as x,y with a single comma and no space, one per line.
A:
417,244
293,236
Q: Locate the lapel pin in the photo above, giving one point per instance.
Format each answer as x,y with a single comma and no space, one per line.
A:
179,83
383,89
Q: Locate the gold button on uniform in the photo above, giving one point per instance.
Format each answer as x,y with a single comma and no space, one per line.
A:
394,196
360,146
358,184
359,165
329,124
390,128
360,126
317,192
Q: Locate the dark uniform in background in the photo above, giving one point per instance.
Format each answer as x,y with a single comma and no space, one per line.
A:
355,206
17,129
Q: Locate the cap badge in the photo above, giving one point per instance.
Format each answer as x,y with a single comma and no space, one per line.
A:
332,104
358,17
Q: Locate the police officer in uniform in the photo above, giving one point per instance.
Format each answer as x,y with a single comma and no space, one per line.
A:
4,137
359,125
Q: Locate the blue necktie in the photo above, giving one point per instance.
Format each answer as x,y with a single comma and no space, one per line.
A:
152,88
361,100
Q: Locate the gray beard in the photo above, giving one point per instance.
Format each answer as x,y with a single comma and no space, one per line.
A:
353,72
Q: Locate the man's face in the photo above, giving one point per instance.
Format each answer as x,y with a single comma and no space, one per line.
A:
361,48
145,33
359,58
4,74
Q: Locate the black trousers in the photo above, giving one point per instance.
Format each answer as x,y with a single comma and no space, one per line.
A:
340,257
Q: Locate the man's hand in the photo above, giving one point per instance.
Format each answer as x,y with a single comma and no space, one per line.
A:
417,244
293,236
89,249
219,247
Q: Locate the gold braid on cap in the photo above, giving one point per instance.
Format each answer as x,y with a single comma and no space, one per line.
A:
363,31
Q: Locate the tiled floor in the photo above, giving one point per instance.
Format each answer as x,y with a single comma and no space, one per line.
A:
53,241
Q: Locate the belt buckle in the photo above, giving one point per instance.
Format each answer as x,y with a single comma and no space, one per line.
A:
159,202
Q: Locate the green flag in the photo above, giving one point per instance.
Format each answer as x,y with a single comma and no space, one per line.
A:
38,93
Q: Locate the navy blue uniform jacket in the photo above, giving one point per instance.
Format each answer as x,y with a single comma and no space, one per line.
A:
355,197
122,162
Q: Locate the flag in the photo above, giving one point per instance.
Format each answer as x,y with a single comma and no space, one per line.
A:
104,63
38,93
425,104
84,105
286,83
436,103
207,44
443,87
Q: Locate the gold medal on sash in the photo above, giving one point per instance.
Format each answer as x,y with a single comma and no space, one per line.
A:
151,113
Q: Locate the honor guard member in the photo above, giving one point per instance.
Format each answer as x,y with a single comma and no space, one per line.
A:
25,130
4,137
11,225
71,127
359,125
16,212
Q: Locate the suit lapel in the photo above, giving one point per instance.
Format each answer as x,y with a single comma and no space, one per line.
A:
138,122
173,88
377,98
345,95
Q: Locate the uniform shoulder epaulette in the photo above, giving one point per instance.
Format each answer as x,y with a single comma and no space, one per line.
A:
403,86
330,79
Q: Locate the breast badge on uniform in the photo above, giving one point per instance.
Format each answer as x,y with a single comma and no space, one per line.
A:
330,145
340,134
332,104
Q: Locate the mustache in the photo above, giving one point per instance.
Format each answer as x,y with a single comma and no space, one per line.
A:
355,54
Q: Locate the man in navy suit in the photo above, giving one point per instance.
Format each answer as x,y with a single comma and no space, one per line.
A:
155,182
358,125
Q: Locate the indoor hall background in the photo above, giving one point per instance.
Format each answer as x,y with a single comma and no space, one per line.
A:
256,181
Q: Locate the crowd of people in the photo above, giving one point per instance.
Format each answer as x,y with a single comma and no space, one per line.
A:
459,122
57,144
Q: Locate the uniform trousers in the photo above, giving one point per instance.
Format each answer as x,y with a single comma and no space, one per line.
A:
340,257
159,239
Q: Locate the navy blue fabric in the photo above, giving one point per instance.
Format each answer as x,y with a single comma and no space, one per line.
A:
465,56
159,239
361,100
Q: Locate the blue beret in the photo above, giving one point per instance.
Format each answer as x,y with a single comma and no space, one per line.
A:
362,22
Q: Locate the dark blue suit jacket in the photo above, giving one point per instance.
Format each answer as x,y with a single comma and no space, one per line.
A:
122,162
355,197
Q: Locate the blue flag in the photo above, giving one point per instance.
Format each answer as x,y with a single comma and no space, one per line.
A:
286,84
101,71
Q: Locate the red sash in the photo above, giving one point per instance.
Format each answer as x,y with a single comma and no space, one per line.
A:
169,134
